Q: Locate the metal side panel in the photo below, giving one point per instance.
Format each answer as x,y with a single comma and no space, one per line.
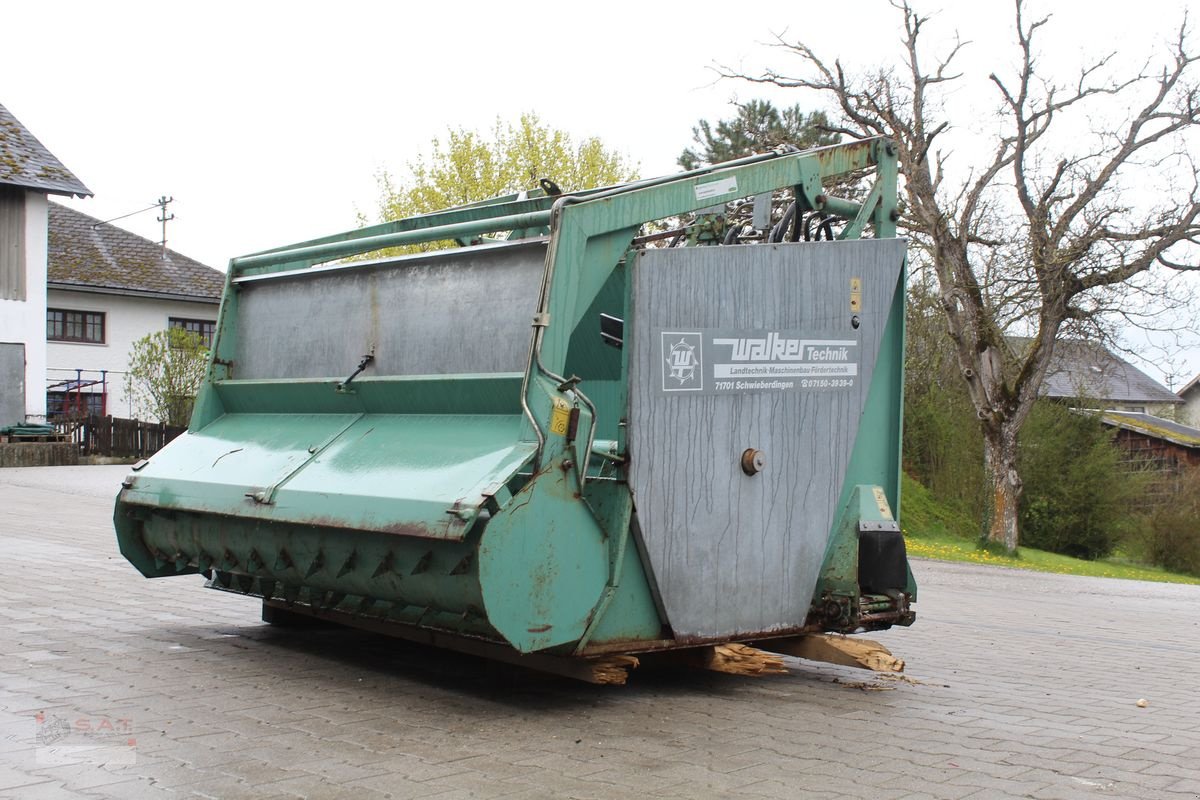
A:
451,312
749,348
417,475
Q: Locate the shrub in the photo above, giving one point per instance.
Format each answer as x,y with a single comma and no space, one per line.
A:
1170,538
165,372
1079,499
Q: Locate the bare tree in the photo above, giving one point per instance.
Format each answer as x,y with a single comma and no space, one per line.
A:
1048,233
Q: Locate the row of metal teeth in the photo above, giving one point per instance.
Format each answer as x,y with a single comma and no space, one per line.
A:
283,563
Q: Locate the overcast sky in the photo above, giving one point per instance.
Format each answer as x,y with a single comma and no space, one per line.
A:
268,121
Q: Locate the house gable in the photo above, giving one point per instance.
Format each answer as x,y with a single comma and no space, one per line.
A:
25,161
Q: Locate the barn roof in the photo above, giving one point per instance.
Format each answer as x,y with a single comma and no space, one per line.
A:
1152,426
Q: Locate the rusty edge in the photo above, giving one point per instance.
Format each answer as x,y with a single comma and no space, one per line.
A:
760,639
584,669
454,529
686,642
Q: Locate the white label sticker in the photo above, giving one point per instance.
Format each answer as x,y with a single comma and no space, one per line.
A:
718,361
716,188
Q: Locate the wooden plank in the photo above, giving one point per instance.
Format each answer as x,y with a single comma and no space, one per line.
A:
837,649
730,658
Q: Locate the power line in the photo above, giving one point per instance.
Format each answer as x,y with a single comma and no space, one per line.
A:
163,217
123,216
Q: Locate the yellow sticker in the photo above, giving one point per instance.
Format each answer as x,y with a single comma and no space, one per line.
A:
560,416
881,501
855,295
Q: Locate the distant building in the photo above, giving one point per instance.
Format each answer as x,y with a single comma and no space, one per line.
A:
1160,443
1088,374
28,173
106,289
1189,412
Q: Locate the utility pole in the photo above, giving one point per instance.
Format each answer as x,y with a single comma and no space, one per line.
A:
164,218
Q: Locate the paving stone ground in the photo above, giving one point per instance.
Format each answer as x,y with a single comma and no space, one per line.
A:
1023,685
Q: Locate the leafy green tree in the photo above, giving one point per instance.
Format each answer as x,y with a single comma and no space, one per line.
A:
467,166
758,127
165,371
943,448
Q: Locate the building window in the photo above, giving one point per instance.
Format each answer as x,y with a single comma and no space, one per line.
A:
74,326
206,329
75,405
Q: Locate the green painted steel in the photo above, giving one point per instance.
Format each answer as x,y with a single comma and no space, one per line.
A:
318,253
493,505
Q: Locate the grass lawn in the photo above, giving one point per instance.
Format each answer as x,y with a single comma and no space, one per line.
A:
950,548
934,531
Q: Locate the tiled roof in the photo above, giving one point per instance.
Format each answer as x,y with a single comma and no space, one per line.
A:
1153,426
1086,369
87,253
25,162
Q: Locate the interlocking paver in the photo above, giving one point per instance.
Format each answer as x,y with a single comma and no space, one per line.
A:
1026,686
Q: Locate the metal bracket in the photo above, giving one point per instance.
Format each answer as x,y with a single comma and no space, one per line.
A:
343,387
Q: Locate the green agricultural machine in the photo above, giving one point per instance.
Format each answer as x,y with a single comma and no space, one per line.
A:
656,416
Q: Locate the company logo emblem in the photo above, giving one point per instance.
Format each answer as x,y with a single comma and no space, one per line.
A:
682,361
682,354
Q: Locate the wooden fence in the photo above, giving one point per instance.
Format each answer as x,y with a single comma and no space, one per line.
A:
121,438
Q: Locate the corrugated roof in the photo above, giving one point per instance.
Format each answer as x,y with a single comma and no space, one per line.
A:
87,253
1153,426
24,161
1086,369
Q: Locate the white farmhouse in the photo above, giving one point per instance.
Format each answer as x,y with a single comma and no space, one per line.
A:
28,173
107,288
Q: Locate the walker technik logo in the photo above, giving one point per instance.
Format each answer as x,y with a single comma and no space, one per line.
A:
682,353
757,361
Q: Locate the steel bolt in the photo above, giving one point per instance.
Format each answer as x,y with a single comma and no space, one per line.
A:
753,461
